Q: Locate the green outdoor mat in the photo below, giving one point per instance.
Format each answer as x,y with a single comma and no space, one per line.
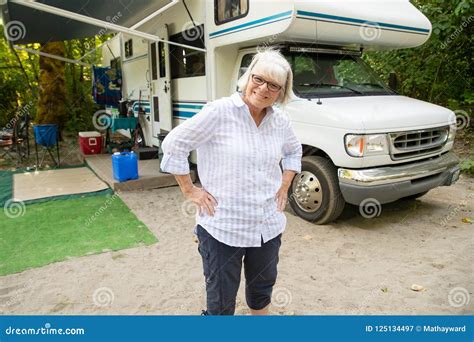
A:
35,235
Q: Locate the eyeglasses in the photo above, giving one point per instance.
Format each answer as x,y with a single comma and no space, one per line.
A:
271,86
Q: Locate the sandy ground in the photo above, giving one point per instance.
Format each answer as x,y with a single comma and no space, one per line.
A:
354,266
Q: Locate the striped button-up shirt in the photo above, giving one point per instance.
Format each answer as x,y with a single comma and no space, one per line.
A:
238,164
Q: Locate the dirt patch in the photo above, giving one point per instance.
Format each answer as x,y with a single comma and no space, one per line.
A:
353,266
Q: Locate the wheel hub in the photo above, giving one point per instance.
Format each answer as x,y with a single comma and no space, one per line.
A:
307,192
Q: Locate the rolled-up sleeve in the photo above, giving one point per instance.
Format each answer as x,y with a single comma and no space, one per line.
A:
187,137
292,151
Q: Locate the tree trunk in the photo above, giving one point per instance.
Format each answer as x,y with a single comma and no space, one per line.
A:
52,87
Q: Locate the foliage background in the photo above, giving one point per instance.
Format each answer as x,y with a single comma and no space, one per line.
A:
19,75
440,71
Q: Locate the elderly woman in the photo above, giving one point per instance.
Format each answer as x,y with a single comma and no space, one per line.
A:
240,141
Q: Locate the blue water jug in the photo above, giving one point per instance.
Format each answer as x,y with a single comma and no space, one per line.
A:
125,166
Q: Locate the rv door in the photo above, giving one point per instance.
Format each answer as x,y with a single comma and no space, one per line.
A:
160,92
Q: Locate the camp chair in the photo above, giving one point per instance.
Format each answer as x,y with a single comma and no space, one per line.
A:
46,138
22,136
6,145
12,145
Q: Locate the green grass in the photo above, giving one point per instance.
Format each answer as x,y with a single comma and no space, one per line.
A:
47,232
467,166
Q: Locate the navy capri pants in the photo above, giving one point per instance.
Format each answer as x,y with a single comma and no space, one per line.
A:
222,266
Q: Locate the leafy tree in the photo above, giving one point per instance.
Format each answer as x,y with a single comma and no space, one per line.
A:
52,86
440,70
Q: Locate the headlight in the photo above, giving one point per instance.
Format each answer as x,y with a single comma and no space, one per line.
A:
360,145
452,132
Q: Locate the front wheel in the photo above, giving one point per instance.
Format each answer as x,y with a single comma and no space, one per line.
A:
314,194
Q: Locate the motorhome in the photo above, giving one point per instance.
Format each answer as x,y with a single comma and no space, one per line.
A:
363,143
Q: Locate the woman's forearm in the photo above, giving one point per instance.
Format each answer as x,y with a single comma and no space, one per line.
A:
287,178
185,183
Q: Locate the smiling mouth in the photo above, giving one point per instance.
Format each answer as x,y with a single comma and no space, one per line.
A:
260,96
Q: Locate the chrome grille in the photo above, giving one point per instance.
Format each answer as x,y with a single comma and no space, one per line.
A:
411,144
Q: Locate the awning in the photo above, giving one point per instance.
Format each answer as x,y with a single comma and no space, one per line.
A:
30,25
41,21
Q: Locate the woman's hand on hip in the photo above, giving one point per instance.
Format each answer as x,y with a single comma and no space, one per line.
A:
204,200
282,197
282,194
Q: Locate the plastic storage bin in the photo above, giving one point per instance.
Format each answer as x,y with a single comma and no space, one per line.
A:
125,166
46,135
90,142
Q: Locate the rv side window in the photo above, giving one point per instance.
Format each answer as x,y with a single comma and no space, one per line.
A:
186,62
246,60
128,48
228,10
115,63
161,54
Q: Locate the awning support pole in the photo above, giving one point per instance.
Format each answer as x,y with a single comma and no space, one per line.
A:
94,49
154,14
140,23
37,52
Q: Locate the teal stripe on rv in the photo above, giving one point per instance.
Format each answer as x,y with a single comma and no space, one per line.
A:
183,114
254,23
180,112
361,21
190,106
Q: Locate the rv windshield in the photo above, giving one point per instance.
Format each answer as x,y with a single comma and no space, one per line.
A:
331,75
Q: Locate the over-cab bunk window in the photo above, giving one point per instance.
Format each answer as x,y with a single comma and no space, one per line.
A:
186,62
228,10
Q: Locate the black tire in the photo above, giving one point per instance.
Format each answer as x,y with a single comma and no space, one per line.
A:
415,196
325,187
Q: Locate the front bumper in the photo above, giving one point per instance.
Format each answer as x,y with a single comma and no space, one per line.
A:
390,183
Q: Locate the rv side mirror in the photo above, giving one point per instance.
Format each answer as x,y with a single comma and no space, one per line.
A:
393,81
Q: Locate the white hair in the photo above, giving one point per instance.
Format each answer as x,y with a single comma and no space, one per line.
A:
272,65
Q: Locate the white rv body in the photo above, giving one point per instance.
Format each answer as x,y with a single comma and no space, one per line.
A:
343,27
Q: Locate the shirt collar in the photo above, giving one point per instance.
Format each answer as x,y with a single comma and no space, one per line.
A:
238,102
237,99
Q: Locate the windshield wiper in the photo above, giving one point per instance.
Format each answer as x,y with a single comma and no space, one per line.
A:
330,85
373,85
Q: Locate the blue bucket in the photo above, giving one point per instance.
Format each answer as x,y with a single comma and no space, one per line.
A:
46,135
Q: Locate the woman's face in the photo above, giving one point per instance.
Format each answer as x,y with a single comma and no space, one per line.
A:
262,95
